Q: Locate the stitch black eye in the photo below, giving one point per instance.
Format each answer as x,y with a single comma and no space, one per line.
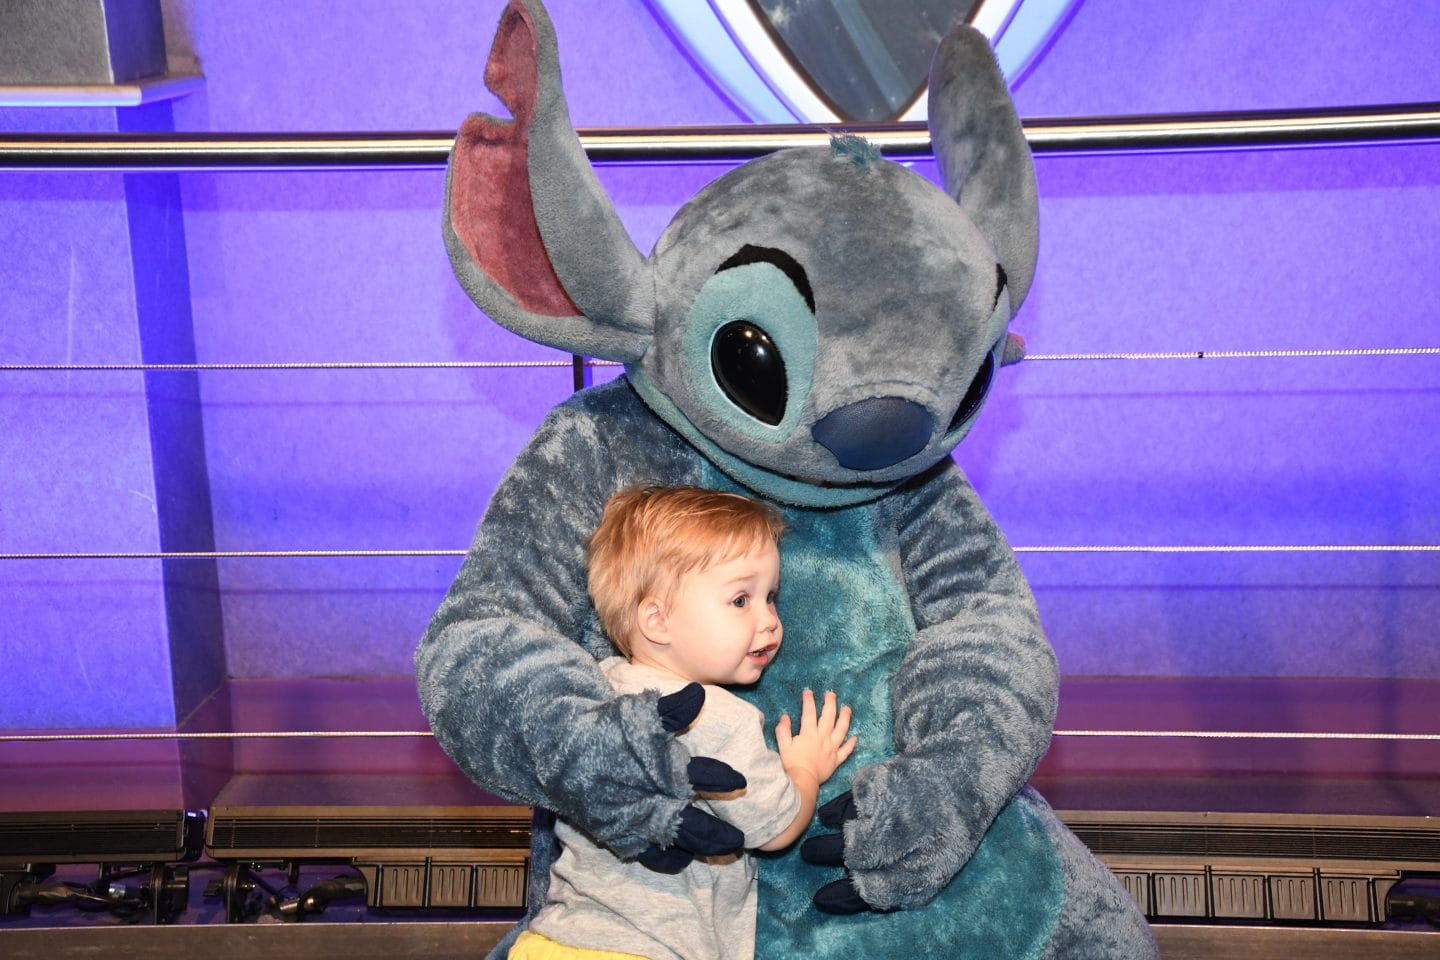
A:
749,370
976,394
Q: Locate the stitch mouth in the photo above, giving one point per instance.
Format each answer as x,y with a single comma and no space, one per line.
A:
825,484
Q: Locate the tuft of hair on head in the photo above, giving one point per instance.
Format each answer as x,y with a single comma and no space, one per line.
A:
859,152
651,536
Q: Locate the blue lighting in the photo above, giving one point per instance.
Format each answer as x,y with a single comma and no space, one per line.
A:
739,52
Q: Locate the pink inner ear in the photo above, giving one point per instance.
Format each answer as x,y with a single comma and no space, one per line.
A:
490,204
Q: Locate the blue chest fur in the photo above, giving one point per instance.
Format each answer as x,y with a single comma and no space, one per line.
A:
847,625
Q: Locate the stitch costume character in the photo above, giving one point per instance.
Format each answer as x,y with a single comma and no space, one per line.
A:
818,328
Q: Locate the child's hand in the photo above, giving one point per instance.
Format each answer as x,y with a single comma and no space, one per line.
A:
821,744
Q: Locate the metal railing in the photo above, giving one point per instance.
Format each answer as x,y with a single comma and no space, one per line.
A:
1407,123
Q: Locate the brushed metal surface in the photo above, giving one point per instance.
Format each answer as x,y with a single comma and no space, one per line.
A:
1204,942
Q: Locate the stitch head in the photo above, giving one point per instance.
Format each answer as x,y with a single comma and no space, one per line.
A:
821,323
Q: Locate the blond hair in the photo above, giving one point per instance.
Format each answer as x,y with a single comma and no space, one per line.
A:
651,536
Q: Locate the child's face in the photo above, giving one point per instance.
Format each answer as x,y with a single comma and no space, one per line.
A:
722,623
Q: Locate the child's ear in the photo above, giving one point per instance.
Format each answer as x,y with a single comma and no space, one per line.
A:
650,621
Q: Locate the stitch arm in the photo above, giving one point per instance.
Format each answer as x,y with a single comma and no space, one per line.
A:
512,694
974,701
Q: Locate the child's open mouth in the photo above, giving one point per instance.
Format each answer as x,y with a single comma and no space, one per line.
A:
763,655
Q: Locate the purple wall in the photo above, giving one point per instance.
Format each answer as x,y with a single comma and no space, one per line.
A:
350,266
1306,248
82,641
1267,250
1319,248
1137,56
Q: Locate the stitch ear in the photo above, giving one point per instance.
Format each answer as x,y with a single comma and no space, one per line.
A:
533,238
983,154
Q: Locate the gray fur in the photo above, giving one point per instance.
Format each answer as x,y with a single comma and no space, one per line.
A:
512,650
983,154
490,661
901,592
896,262
1100,918
603,271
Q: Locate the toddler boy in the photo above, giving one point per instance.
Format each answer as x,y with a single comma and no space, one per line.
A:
684,582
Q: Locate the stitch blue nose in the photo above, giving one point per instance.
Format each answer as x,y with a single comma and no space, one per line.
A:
874,434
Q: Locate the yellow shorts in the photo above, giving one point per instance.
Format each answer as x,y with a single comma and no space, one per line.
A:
534,946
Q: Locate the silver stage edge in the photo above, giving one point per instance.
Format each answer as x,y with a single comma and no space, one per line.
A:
1404,123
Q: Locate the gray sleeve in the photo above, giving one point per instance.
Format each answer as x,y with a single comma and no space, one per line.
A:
974,700
733,731
509,690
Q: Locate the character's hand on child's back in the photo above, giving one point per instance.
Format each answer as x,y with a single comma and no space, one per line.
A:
822,744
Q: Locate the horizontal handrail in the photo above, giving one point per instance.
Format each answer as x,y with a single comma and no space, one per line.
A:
313,366
667,145
365,554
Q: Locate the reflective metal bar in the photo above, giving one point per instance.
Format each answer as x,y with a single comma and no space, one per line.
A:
133,94
1404,123
221,152
1414,123
582,365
